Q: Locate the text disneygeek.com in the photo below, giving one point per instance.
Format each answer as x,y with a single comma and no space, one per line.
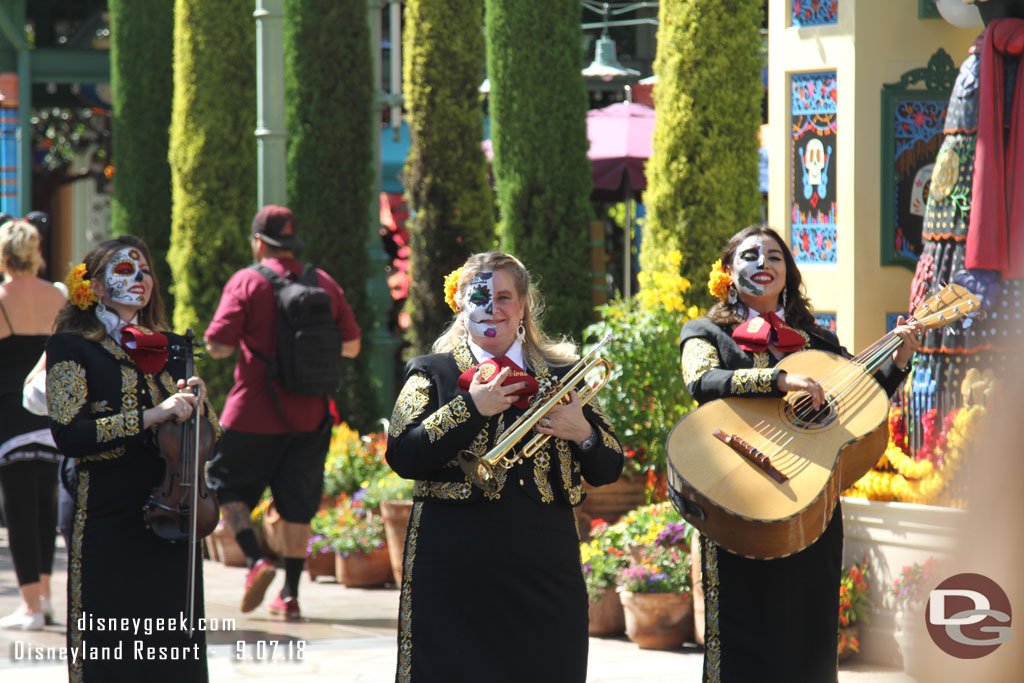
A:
138,649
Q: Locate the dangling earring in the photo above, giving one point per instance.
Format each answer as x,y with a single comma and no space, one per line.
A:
733,296
463,333
521,333
785,299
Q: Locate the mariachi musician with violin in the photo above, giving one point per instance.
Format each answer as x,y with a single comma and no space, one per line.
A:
123,404
772,613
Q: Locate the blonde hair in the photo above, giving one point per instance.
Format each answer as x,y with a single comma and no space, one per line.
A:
553,351
19,247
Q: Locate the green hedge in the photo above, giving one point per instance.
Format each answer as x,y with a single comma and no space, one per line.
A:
213,161
538,106
141,38
702,176
446,174
330,121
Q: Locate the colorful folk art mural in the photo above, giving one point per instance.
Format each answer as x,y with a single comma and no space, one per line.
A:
815,12
917,136
813,171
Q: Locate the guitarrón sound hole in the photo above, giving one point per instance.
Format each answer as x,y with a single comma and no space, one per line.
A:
801,413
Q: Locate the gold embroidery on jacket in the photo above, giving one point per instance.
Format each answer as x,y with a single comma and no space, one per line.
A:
752,381
463,357
566,463
112,454
66,390
712,635
75,572
541,470
125,423
97,407
442,490
115,349
410,404
405,609
447,418
762,359
699,356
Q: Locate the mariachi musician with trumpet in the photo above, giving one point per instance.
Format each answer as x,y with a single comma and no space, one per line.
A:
767,619
116,383
498,429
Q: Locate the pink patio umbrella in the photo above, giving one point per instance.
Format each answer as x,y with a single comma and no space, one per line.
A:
620,143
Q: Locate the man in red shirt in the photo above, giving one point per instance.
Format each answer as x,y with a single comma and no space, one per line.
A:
281,445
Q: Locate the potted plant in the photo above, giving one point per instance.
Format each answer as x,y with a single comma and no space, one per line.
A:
602,558
393,495
352,461
319,554
358,539
853,607
638,399
655,595
910,592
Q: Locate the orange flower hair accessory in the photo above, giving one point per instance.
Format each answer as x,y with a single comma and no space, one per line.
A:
80,291
719,281
451,288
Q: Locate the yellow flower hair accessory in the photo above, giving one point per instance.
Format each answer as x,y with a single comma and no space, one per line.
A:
80,291
719,281
451,288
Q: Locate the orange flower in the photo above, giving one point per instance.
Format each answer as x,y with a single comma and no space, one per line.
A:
451,288
80,291
719,281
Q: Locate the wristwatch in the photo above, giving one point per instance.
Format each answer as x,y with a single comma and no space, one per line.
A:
588,443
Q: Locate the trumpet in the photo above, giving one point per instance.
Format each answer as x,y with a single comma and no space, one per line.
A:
484,470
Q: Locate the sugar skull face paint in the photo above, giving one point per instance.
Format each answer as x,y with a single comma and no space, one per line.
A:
479,306
128,279
758,266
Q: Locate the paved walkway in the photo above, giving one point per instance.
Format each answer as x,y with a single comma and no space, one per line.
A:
347,634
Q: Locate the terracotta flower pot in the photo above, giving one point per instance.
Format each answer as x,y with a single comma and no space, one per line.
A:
228,550
396,515
606,615
361,570
321,564
613,500
658,621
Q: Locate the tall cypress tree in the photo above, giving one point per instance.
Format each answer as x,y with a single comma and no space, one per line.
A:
538,106
141,38
213,160
702,175
446,175
329,117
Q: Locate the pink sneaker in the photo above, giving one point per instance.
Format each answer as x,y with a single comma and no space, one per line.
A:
256,583
285,607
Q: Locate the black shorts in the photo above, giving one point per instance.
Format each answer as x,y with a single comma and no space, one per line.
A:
291,464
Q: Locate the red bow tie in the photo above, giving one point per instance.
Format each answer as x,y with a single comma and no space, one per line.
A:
757,334
489,368
147,348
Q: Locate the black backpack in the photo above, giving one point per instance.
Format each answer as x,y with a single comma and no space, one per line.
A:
307,360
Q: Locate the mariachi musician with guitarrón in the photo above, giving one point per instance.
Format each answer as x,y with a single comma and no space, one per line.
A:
110,382
769,619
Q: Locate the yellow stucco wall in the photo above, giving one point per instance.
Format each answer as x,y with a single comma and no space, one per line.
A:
874,42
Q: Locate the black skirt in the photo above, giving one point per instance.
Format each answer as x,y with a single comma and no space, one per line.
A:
773,620
493,591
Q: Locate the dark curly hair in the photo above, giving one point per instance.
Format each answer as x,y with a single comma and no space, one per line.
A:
798,306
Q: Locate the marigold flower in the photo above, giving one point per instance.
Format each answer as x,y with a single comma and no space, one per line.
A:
80,291
451,288
719,281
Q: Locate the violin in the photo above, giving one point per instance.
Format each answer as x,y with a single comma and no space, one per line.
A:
182,507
